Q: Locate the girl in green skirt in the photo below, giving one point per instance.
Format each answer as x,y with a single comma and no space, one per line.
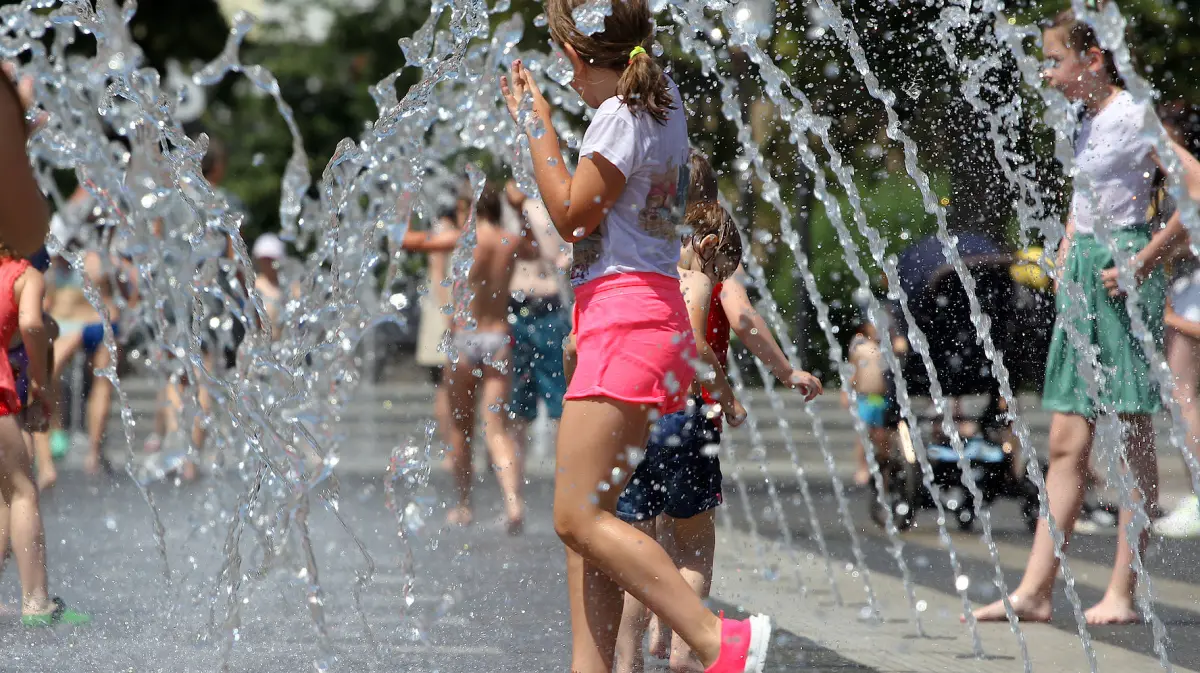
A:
1096,363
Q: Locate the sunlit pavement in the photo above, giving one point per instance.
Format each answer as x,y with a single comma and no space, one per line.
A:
484,601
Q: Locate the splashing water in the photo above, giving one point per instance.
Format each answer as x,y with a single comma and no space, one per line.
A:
271,417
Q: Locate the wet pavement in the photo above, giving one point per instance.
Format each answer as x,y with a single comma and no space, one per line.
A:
482,600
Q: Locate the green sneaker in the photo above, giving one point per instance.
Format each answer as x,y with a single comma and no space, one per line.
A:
60,615
60,444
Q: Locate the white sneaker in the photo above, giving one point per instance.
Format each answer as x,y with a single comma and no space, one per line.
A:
1183,521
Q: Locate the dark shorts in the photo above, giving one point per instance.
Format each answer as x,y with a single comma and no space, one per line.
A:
677,477
538,331
93,336
18,359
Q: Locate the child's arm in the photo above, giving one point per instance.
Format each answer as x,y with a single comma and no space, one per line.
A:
697,294
752,330
426,241
1163,240
569,356
570,200
527,246
1179,324
32,324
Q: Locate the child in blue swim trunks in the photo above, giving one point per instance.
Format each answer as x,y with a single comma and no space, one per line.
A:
875,393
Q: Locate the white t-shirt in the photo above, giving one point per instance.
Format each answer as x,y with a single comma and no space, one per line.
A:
642,230
1114,172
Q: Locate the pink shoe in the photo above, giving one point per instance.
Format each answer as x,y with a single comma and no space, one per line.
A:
743,645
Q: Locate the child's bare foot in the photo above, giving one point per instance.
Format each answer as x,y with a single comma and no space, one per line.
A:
94,464
1110,611
516,518
187,470
1026,609
47,476
459,516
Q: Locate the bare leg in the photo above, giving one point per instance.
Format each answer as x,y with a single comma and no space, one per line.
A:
862,471
25,521
47,473
460,386
172,411
519,429
599,430
1183,356
505,457
881,437
65,348
1070,448
660,634
695,543
1117,606
634,620
99,404
444,415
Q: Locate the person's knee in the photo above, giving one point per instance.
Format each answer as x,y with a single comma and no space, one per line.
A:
1069,440
572,525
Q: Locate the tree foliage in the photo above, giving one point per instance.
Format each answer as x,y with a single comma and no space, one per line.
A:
326,84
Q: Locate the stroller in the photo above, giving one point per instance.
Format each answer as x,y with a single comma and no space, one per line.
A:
1021,322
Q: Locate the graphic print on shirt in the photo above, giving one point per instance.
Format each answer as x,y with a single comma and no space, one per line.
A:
585,253
666,202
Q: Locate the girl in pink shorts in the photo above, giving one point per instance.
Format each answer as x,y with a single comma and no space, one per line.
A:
623,209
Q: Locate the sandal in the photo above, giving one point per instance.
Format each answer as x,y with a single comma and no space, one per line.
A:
61,614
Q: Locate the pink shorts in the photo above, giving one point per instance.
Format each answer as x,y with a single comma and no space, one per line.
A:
634,341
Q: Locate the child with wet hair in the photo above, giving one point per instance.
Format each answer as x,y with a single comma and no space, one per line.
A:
623,208
1113,175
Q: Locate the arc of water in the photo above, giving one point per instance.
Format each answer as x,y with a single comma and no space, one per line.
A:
927,470
688,15
1062,122
820,128
758,452
1109,25
842,29
775,321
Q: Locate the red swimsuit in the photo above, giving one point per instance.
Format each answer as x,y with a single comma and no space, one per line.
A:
10,271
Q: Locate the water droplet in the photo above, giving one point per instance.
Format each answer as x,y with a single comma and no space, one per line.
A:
962,582
589,17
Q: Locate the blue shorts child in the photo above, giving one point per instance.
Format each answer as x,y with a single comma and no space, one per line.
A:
539,326
680,475
873,410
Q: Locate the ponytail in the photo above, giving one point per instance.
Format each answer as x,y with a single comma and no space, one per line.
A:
622,46
643,86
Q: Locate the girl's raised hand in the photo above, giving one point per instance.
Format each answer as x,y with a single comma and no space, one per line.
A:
518,84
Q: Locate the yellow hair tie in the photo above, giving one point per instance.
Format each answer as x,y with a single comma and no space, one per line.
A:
634,52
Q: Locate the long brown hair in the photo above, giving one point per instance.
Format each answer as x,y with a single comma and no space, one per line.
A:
702,181
708,217
1080,36
642,85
